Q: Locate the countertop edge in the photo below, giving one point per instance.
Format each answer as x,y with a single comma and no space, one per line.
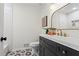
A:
68,44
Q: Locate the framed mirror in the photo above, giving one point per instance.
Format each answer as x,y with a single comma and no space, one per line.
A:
66,17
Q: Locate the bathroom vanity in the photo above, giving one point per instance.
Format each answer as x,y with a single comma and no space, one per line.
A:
57,46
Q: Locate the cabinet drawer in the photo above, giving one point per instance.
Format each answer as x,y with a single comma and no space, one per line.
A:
51,48
49,53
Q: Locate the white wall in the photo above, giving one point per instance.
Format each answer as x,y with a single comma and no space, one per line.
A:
46,12
26,24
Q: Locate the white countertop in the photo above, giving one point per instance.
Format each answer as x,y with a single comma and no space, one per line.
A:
67,41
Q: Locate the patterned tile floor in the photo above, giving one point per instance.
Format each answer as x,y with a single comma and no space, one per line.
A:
23,52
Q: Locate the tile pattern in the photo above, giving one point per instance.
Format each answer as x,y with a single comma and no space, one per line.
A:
23,52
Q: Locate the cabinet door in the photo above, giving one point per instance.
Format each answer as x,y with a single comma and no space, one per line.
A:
50,44
47,52
1,28
66,51
41,50
69,51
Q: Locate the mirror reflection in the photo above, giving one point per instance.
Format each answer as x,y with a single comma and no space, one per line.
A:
67,17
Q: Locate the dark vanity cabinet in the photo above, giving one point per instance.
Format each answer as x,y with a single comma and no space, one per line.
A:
51,48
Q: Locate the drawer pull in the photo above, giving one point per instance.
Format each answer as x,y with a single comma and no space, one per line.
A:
64,52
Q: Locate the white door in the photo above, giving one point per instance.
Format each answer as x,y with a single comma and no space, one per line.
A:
5,27
1,27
